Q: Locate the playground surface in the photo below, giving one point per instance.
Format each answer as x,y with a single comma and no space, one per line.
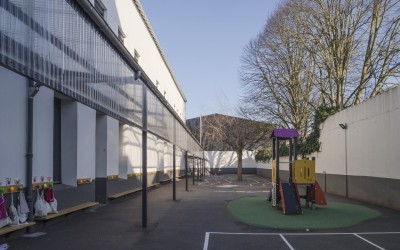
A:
200,219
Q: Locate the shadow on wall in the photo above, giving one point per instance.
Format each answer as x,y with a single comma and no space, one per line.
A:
219,160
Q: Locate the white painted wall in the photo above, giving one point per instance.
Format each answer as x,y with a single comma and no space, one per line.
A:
130,160
13,111
228,159
107,146
373,139
112,146
152,153
167,158
160,155
69,142
86,126
13,128
124,13
179,159
43,123
78,138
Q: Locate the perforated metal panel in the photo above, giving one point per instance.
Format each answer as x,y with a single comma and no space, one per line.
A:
54,43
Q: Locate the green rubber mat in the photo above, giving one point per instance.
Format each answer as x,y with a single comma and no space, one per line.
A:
256,211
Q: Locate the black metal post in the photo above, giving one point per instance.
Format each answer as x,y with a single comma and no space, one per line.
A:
144,157
193,168
345,146
32,91
290,159
313,191
307,190
277,174
174,173
313,196
198,168
203,167
273,148
295,148
186,171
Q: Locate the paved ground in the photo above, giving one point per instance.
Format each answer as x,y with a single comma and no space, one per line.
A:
199,220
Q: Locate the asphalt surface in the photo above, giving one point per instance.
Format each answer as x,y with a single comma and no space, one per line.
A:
199,219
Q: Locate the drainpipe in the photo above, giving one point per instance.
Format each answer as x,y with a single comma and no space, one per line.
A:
33,90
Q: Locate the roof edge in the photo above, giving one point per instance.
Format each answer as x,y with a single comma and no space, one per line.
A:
153,35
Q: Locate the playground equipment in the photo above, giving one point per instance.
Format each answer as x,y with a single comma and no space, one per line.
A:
301,172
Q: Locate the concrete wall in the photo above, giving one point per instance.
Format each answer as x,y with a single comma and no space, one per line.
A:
367,151
107,145
86,162
13,128
43,133
372,142
130,150
224,162
13,111
78,137
372,139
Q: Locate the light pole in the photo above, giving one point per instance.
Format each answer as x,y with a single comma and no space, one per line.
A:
344,126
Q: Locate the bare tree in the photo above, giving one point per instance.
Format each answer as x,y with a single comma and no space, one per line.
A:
381,59
236,134
334,53
278,73
355,44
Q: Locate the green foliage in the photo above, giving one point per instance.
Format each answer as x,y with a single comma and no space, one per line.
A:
306,146
311,143
263,155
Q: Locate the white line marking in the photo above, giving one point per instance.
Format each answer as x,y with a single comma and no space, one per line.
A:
369,242
287,243
303,234
207,238
239,191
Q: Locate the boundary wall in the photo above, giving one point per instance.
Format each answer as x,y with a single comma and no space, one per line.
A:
366,153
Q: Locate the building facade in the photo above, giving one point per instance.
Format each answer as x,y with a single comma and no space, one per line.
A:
87,99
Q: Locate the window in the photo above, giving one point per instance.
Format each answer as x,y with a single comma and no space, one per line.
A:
100,8
121,35
136,55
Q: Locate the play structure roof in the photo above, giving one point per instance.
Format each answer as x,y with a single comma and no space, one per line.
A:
282,133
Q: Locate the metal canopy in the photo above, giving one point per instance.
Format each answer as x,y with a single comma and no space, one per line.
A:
284,134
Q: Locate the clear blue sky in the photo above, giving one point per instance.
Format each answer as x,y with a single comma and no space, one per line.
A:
203,42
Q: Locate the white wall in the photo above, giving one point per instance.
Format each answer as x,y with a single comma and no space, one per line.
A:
86,134
124,13
160,155
112,146
69,142
13,112
13,128
78,138
43,121
107,146
228,159
373,139
168,158
130,160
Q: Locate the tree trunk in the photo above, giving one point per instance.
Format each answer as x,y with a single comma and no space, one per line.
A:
240,165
